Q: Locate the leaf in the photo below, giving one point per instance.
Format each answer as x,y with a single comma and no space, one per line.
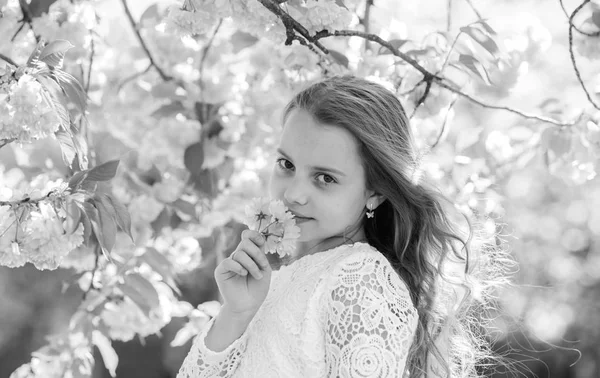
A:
162,220
596,17
67,147
486,26
474,66
151,13
76,179
558,141
35,54
340,58
161,265
109,356
107,226
147,292
193,157
54,53
169,110
74,216
482,38
72,89
397,43
122,216
87,224
185,207
103,172
241,40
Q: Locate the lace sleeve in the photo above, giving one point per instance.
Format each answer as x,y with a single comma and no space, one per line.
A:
202,362
370,319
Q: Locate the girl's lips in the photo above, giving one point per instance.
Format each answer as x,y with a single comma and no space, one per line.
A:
301,219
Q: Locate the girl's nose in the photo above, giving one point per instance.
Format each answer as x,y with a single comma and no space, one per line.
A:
296,193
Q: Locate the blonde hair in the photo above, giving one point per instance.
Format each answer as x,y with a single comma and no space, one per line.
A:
412,228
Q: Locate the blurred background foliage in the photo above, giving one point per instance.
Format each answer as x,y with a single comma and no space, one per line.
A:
194,131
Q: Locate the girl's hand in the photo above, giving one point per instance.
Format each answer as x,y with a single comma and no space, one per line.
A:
244,280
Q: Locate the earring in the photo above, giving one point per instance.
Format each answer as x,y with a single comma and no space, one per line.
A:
370,213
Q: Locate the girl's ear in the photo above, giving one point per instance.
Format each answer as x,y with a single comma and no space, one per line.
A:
376,200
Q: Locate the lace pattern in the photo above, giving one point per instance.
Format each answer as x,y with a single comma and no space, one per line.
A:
340,313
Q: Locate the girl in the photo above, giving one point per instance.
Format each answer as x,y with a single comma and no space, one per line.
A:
367,294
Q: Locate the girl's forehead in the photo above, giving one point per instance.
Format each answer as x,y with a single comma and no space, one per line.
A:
313,143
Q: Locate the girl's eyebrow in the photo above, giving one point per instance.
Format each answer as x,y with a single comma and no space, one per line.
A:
326,169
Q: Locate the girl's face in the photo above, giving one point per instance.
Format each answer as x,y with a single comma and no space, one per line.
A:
319,176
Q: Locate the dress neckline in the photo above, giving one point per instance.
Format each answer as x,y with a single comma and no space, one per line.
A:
327,252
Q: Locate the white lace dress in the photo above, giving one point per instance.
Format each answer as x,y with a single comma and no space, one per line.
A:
340,313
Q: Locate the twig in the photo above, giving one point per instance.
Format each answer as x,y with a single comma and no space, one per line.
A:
8,60
366,21
292,26
4,142
91,62
422,99
132,77
27,18
449,16
589,34
162,74
498,107
18,31
577,73
205,51
446,116
474,9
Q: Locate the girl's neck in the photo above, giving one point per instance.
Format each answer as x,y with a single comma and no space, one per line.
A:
317,246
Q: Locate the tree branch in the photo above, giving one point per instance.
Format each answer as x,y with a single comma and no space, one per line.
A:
205,51
366,21
589,34
292,26
162,74
577,73
423,97
474,9
4,142
8,60
449,15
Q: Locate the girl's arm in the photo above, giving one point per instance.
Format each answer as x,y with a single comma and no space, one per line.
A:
370,320
217,350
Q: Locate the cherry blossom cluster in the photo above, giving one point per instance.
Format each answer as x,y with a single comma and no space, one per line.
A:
33,227
275,222
25,113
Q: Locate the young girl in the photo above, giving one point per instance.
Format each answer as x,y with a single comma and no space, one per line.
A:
366,295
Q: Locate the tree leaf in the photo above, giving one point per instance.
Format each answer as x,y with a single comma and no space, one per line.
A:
169,110
103,172
35,54
150,13
474,66
596,17
76,179
240,40
340,58
141,291
482,38
107,225
122,216
72,89
109,356
185,207
54,53
67,148
74,216
193,157
486,26
161,265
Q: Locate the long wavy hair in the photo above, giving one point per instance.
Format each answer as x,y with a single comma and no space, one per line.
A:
448,272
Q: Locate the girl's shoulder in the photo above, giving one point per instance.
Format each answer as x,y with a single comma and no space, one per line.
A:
362,262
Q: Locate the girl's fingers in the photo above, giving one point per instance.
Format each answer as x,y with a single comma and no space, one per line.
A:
255,236
236,267
255,253
248,263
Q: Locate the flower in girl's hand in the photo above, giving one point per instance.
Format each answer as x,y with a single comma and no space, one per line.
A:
275,222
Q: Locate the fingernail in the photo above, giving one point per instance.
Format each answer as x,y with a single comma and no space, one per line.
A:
260,276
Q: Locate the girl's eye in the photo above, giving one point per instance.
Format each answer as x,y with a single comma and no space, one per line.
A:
285,164
326,179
